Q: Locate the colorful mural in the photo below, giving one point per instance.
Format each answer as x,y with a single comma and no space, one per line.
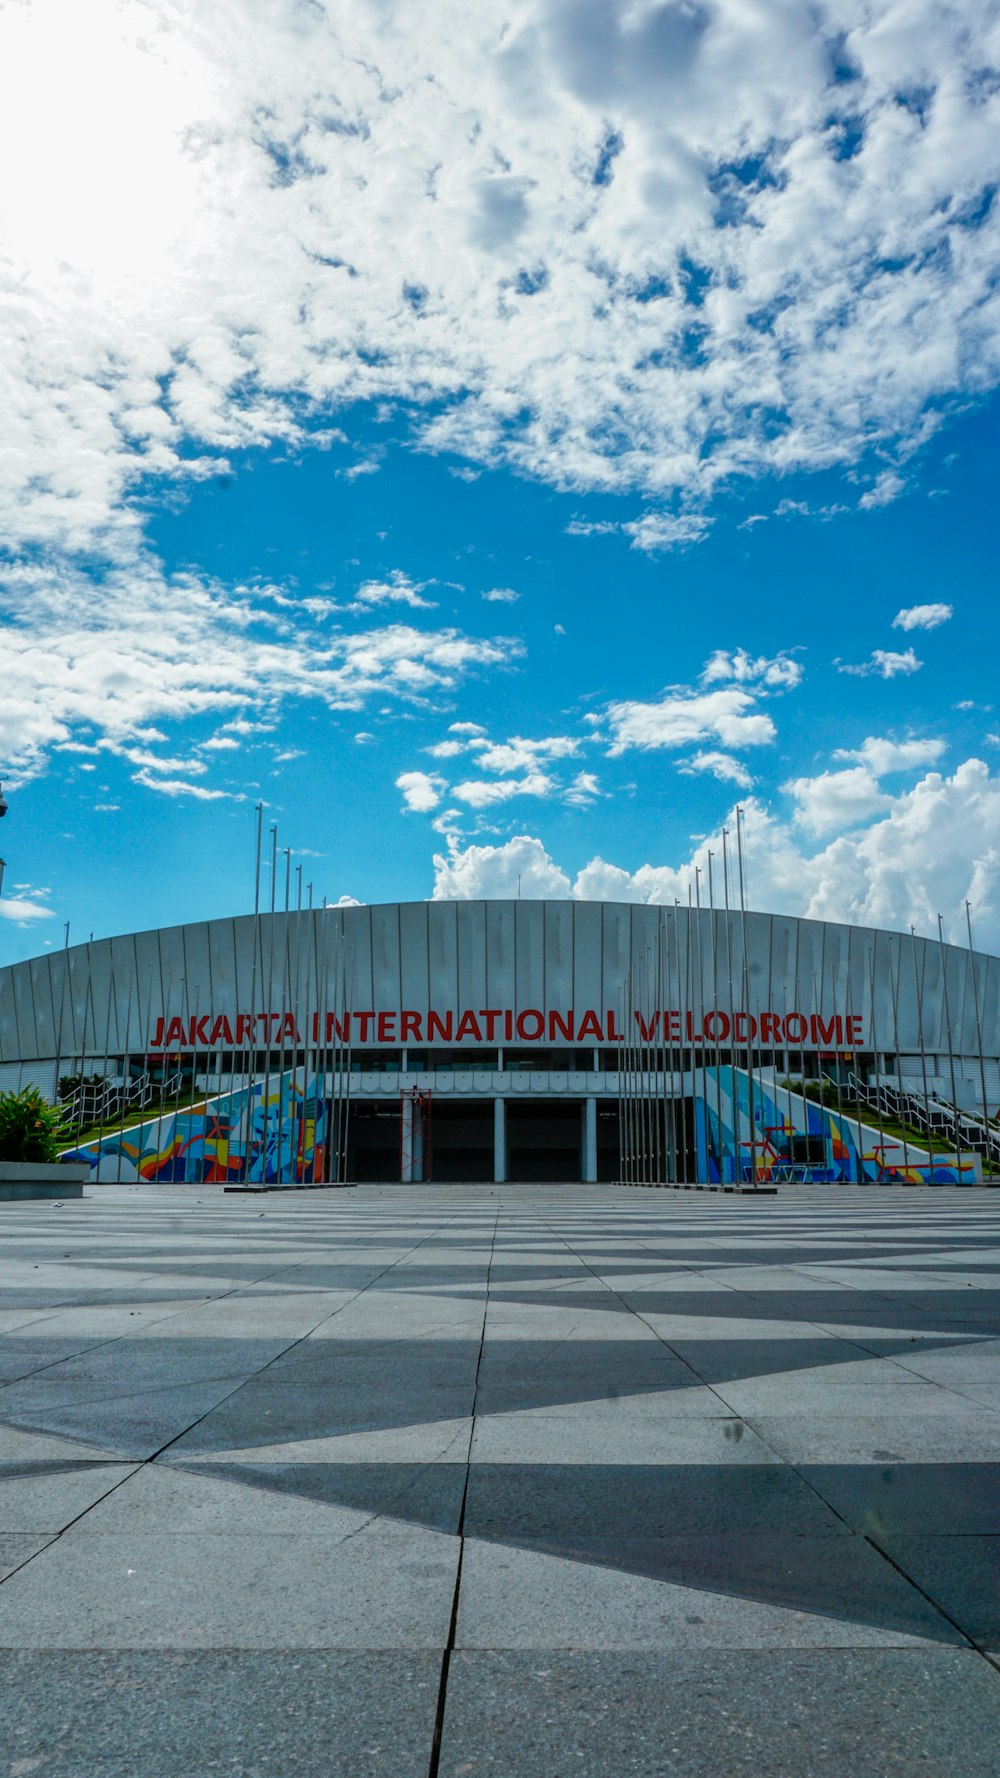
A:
838,1148
269,1131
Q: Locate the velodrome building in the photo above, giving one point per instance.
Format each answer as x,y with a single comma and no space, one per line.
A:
514,1040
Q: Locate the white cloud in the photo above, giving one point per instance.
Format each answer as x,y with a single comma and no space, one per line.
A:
399,589
582,791
747,277
111,654
683,717
884,663
22,912
422,791
781,672
446,749
521,868
886,488
834,800
883,755
465,728
518,754
180,787
930,848
922,617
483,793
501,595
719,765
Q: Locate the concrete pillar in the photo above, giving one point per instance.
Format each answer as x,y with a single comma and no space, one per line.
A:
590,1140
406,1140
499,1139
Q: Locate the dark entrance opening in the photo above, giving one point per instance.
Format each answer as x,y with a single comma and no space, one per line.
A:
544,1140
373,1141
607,1139
462,1140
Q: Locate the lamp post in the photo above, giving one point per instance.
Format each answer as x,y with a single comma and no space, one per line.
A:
3,811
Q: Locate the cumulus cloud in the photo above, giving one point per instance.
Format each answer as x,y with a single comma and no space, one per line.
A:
620,247
107,655
683,717
718,765
422,791
782,672
519,869
832,801
399,589
501,595
884,755
883,663
481,793
922,617
927,851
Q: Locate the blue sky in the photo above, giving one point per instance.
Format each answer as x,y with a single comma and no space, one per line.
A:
499,452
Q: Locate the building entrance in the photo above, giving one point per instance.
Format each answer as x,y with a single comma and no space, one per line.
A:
545,1140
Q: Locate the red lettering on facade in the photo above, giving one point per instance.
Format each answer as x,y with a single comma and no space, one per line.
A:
365,1023
854,1029
613,1034
717,1026
508,1026
648,1027
468,1026
221,1031
411,1026
537,1020
338,1028
386,1026
590,1026
438,1027
562,1025
801,1031
491,1015
826,1033
174,1032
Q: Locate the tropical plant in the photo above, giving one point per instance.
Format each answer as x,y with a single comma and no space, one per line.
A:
30,1129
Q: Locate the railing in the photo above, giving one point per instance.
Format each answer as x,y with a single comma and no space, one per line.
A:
935,1117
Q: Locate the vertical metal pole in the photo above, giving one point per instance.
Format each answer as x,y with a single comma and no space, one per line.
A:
901,1097
979,1027
746,996
620,1081
951,1047
872,972
256,874
715,1004
918,980
737,1139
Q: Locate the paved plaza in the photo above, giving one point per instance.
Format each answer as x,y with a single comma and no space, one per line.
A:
500,1482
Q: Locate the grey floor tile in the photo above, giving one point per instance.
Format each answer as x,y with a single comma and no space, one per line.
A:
957,1499
718,1592
680,1714
388,1587
806,1439
47,1495
218,1713
18,1547
961,1575
618,1438
511,1500
255,1500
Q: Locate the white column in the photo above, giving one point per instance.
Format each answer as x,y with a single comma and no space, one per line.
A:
406,1139
499,1139
590,1140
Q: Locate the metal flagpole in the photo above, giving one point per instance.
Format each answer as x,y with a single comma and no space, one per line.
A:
951,1048
701,1011
901,1097
979,1022
715,1003
918,980
737,1139
872,960
746,995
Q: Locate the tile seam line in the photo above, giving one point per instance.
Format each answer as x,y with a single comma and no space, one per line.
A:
145,1462
968,1642
434,1766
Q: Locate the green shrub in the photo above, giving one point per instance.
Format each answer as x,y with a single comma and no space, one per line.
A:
30,1130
